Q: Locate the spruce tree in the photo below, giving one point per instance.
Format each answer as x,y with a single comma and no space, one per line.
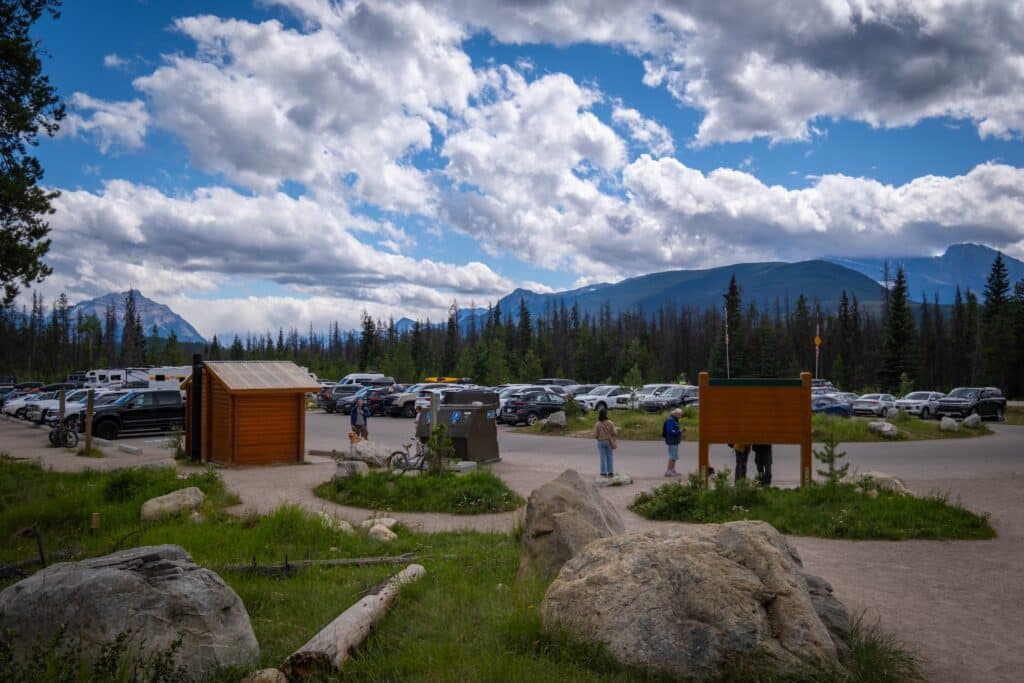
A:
997,342
451,341
733,326
898,342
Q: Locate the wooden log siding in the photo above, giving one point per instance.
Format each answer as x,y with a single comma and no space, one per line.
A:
253,413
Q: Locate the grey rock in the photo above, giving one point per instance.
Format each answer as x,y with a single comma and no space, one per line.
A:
562,517
557,419
379,532
972,421
370,452
332,523
948,424
155,592
266,676
877,480
387,522
615,480
172,504
886,429
688,600
463,466
350,468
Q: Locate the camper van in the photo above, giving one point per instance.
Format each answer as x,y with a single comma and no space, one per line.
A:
168,377
116,377
363,378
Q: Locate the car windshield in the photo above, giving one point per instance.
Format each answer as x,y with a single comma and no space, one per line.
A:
125,399
77,395
870,397
917,396
672,392
963,393
603,390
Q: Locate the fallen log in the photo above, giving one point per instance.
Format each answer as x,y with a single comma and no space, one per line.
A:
289,567
328,649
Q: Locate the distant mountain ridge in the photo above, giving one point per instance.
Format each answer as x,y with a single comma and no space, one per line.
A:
966,265
151,312
762,283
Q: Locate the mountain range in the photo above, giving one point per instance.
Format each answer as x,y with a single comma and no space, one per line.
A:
151,312
822,280
963,265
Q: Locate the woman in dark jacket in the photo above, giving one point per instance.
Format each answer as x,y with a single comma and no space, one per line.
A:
360,416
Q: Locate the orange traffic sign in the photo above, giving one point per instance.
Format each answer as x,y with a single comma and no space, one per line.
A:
817,341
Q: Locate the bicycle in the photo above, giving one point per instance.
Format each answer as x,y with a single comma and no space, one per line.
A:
403,460
65,433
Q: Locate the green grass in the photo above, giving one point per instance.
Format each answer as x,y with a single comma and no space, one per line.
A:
473,493
845,511
1014,415
467,620
643,426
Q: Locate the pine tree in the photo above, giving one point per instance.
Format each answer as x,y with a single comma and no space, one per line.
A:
451,341
971,336
524,328
997,339
898,342
367,342
733,326
1016,385
236,351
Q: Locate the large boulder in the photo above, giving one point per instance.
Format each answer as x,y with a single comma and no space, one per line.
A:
173,504
948,424
370,452
157,593
562,517
688,600
972,421
350,468
557,419
887,429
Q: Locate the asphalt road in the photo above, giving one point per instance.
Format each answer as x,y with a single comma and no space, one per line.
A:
943,459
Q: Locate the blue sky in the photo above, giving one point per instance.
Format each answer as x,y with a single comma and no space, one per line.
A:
258,164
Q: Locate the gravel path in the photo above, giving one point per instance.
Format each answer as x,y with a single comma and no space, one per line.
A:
958,604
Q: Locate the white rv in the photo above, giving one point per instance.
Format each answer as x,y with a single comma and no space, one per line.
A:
115,377
168,376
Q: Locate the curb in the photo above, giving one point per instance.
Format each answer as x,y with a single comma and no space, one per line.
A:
134,450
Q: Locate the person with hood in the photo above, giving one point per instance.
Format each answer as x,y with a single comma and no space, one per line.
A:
360,416
672,432
605,433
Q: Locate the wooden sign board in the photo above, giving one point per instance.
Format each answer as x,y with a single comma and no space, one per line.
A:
752,411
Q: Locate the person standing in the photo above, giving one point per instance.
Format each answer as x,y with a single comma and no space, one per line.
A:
605,433
672,432
360,416
742,451
763,463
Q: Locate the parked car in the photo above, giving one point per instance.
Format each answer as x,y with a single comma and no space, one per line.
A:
648,390
555,381
374,399
337,394
609,396
38,410
532,405
324,394
987,402
845,396
139,411
423,399
402,403
579,389
879,405
18,407
830,405
920,403
75,411
676,396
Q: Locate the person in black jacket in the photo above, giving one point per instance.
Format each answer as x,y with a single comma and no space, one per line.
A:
672,432
763,462
360,416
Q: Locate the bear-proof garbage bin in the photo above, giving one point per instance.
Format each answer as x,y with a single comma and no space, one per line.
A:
468,417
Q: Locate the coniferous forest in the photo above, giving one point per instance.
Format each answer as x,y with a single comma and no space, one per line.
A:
906,343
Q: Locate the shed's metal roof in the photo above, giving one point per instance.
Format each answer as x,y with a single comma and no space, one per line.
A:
245,375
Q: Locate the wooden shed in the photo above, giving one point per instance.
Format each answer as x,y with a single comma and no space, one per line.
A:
253,412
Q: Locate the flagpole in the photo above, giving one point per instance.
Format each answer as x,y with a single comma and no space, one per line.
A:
728,370
817,350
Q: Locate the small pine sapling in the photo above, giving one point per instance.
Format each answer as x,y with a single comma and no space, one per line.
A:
828,456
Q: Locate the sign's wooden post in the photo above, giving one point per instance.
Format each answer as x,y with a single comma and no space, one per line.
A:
88,423
703,462
805,430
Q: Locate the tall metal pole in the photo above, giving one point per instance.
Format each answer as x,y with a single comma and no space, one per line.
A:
728,370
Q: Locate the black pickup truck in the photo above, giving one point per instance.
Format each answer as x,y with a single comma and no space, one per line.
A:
987,402
147,410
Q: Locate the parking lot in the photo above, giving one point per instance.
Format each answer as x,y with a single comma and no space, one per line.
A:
957,603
